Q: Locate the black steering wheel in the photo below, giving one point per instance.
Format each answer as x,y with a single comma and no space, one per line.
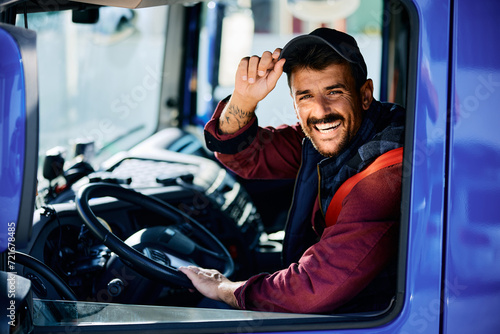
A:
210,251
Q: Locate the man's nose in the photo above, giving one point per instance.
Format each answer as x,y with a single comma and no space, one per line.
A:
323,106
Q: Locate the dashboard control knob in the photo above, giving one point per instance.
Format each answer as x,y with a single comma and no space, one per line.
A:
115,287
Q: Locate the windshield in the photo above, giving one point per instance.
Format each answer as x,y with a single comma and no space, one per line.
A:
99,82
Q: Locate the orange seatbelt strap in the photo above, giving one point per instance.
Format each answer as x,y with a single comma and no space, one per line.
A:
387,159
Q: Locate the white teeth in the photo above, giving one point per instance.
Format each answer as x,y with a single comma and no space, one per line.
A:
327,127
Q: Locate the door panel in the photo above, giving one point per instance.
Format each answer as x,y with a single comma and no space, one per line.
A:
472,281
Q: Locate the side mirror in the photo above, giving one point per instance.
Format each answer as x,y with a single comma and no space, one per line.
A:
87,16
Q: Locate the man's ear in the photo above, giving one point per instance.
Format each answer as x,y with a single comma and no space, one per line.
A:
366,93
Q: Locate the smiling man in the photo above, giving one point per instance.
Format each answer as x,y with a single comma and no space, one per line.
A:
346,156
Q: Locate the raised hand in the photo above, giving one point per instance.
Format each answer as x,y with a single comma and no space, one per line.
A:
255,78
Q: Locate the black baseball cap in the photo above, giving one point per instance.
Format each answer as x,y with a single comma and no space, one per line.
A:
345,45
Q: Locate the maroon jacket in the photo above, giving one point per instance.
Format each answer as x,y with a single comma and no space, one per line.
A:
348,256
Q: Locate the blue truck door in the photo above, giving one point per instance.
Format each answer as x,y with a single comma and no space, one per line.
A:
471,284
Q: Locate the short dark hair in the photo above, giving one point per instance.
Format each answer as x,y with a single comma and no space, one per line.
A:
318,57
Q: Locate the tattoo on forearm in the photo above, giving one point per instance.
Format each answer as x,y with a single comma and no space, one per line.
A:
239,113
239,116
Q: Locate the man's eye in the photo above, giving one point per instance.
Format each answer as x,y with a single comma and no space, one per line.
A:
304,97
334,92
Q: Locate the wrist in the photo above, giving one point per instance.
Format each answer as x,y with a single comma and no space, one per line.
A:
226,291
243,102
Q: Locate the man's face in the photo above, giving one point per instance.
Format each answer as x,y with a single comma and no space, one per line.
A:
328,107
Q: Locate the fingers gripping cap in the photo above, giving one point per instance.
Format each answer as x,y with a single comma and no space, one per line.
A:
345,45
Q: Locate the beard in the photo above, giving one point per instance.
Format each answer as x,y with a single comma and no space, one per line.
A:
329,147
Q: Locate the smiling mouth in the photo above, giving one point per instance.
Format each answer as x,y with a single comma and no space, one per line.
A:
327,127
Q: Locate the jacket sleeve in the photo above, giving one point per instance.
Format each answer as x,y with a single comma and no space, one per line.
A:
349,255
256,152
